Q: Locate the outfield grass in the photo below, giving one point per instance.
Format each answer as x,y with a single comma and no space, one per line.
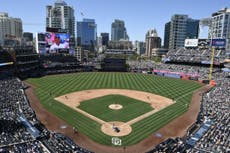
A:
99,107
176,89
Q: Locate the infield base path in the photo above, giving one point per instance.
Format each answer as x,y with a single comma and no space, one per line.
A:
73,100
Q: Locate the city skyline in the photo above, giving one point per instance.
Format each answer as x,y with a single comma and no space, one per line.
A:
139,16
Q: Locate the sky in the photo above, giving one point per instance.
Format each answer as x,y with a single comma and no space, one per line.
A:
139,15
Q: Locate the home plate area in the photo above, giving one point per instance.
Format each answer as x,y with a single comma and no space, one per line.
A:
116,128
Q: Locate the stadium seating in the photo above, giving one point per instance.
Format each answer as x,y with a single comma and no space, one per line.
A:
15,134
195,55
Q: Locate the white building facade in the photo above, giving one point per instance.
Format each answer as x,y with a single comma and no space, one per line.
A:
61,16
220,26
10,28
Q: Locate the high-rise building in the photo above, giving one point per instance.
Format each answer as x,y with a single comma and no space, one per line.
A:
61,16
10,28
182,27
192,28
139,47
220,26
105,39
87,33
152,41
118,31
167,35
99,41
178,28
79,53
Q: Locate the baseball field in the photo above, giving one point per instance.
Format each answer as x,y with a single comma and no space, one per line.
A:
98,102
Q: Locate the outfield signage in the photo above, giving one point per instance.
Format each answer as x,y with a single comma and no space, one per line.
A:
164,72
219,42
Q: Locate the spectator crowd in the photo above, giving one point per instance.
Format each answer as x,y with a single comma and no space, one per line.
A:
195,55
15,136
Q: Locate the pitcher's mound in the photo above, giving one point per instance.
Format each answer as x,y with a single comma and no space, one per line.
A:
116,128
115,106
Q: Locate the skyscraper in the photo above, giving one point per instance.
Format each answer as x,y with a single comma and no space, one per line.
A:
99,41
139,47
105,39
192,28
60,15
118,31
10,28
177,31
182,27
152,41
87,33
167,35
220,26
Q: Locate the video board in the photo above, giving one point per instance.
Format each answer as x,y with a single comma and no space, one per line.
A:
56,41
51,42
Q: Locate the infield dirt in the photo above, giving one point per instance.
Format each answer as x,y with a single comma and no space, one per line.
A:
74,99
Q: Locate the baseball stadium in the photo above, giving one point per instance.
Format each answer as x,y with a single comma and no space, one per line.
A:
59,95
79,108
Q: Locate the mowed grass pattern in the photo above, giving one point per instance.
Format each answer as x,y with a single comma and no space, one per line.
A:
57,85
99,107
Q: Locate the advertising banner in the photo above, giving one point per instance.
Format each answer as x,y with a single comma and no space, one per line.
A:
204,43
191,43
172,75
218,42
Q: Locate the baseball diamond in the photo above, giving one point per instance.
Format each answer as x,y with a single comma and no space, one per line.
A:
148,102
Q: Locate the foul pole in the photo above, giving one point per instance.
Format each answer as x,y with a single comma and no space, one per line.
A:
211,64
